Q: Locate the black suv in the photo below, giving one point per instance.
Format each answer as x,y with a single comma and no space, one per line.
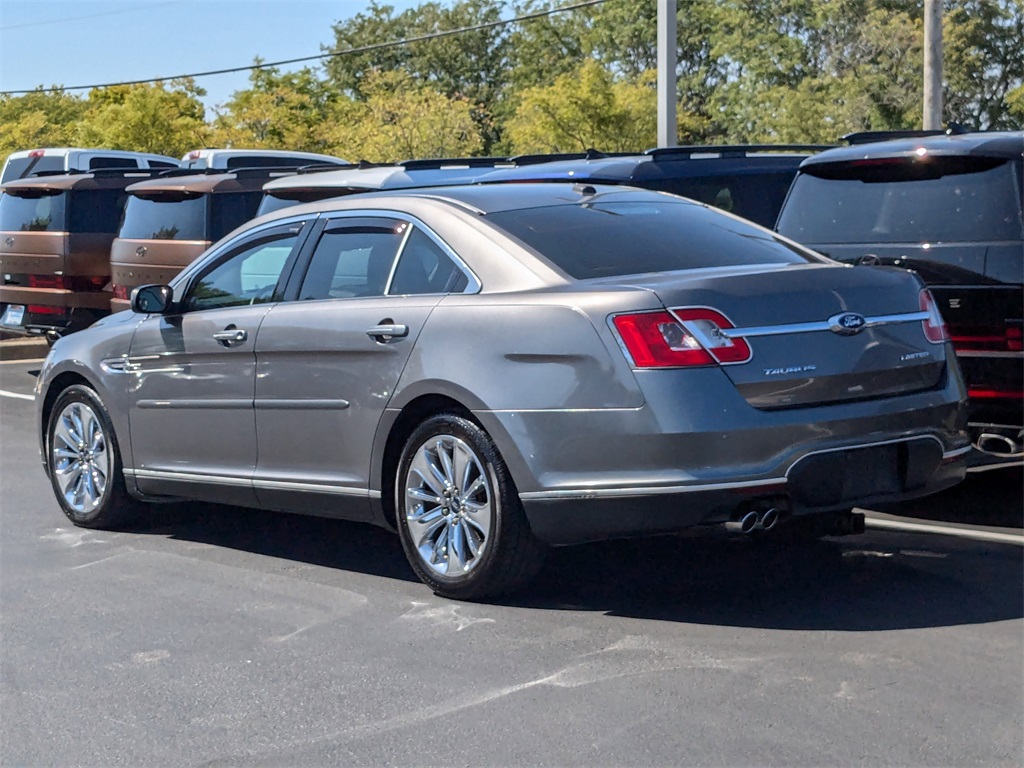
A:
949,208
748,180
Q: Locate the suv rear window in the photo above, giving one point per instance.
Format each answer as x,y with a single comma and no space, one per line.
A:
754,196
883,200
78,211
608,239
43,211
165,217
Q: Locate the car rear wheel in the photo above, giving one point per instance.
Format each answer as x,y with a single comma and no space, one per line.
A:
461,522
84,462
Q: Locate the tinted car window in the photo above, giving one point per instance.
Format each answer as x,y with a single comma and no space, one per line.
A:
229,210
755,197
19,168
111,162
353,260
608,239
249,276
424,267
43,211
956,199
165,217
96,210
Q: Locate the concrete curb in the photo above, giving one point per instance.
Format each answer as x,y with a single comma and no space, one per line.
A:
23,349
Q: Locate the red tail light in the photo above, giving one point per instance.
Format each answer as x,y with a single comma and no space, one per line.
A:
995,394
682,338
987,339
934,326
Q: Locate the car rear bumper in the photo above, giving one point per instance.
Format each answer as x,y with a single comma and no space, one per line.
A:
831,480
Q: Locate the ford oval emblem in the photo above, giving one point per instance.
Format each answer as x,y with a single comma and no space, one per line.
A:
847,323
140,251
9,242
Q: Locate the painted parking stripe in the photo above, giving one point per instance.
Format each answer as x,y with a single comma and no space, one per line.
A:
18,395
965,533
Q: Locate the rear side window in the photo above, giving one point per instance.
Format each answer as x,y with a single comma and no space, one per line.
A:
165,217
757,197
353,260
35,211
231,209
424,267
96,210
609,239
949,199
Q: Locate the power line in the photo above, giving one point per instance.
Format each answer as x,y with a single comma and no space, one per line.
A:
332,54
89,16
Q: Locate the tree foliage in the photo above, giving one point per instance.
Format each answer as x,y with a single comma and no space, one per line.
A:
748,70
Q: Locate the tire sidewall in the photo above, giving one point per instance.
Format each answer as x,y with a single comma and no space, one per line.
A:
81,394
502,492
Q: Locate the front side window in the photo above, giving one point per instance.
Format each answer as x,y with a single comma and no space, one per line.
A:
248,276
170,216
353,259
33,211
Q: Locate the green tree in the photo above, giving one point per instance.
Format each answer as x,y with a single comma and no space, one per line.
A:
277,111
42,118
158,117
584,109
400,119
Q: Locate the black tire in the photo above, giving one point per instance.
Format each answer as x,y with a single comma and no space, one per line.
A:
508,555
109,506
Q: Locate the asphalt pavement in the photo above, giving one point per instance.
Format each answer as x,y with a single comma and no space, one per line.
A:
216,636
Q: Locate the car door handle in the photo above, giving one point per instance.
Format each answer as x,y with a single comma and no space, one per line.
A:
386,332
231,336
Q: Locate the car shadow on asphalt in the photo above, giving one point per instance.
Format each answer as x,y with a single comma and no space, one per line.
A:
878,581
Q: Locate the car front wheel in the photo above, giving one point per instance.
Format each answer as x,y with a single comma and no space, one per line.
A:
461,522
84,462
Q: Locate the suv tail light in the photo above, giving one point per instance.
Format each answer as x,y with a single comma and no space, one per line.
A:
1009,338
934,326
680,338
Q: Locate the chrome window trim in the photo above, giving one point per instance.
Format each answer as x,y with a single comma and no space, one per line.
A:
474,285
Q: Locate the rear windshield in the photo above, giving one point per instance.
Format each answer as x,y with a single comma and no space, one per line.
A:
20,167
955,199
82,211
165,217
609,239
37,212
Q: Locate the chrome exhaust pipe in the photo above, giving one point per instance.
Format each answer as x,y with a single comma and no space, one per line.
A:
745,524
769,519
1001,445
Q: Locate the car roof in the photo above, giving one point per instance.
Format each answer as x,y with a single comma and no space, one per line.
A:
103,179
484,199
240,180
401,175
1007,144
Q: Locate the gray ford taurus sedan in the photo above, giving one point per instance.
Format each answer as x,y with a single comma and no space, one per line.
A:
493,369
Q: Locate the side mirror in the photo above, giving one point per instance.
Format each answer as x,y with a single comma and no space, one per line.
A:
152,299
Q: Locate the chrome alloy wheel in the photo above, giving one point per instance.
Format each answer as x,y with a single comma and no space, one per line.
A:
449,505
80,459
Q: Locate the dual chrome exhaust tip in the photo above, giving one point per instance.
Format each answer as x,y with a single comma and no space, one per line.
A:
754,521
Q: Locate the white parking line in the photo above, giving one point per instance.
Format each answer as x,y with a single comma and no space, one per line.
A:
18,395
965,533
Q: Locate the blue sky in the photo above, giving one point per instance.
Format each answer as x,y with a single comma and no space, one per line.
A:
62,42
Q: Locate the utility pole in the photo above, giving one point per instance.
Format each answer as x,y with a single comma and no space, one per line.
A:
668,133
932,65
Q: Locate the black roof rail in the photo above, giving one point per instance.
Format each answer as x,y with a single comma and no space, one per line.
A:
731,150
442,162
867,137
590,154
